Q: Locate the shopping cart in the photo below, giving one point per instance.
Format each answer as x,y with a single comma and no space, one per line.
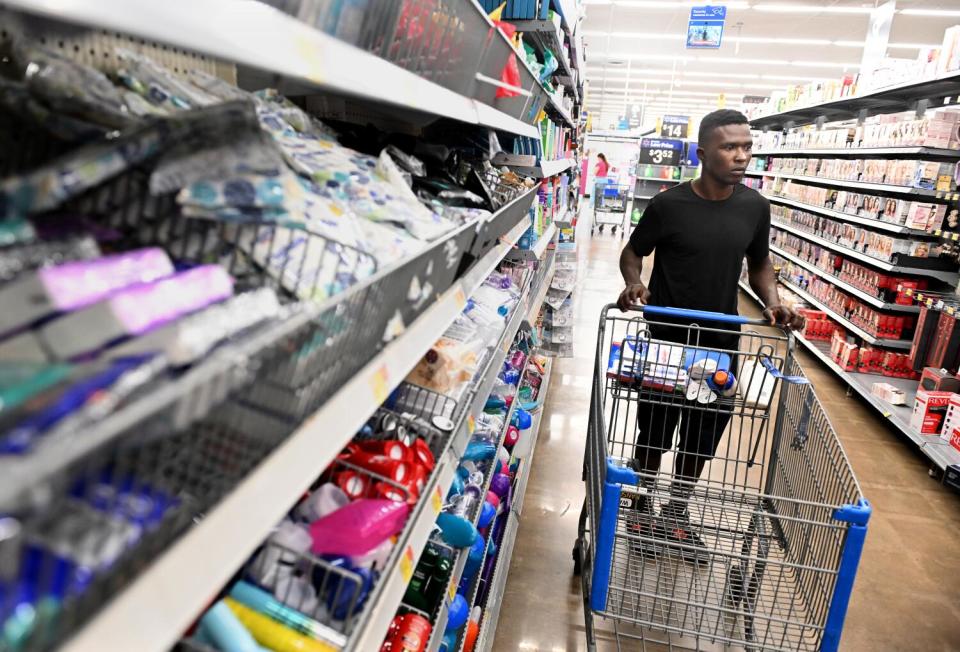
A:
609,206
761,551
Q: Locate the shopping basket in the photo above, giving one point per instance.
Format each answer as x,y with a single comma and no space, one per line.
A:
756,552
609,206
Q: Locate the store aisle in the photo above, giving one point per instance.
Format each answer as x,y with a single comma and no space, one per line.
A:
906,596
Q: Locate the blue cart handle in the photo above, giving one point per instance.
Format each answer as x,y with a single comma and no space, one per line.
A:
692,315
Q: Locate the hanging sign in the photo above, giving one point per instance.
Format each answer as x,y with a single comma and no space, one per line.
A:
660,151
705,29
674,126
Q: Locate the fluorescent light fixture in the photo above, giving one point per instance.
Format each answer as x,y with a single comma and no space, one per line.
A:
737,60
617,56
672,4
777,40
798,79
731,75
639,72
824,64
810,9
946,13
708,84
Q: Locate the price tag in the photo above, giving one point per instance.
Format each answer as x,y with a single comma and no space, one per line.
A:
452,591
380,384
460,297
471,425
437,501
674,126
657,151
406,564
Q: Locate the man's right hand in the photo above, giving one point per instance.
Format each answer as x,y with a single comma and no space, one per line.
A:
632,295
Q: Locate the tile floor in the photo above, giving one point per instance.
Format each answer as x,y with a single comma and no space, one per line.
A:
907,593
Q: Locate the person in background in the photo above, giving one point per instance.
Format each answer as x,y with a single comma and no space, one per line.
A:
701,231
584,169
602,167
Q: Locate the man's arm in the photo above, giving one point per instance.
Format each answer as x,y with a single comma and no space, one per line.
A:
764,283
631,265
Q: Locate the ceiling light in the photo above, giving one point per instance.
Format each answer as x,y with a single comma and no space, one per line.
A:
824,64
778,40
811,9
949,13
731,75
672,4
738,60
798,78
636,55
708,84
638,72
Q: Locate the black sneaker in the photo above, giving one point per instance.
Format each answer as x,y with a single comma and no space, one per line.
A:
673,526
638,512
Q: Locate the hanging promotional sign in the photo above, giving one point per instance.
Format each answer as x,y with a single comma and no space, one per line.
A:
705,28
878,35
674,126
660,151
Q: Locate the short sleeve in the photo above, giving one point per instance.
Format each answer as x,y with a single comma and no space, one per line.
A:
759,247
646,234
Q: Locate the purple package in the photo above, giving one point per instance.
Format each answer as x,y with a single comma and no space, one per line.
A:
73,285
136,310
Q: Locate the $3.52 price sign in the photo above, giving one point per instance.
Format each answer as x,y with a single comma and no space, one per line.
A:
657,151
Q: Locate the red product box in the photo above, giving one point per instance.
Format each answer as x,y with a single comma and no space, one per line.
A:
929,411
951,419
939,380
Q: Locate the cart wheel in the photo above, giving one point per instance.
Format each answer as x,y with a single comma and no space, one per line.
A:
601,228
614,232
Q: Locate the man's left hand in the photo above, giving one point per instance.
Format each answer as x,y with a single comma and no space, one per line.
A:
784,317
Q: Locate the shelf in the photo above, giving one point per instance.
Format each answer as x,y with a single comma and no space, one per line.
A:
255,35
862,151
847,217
876,302
938,451
536,302
159,605
545,170
547,34
488,626
841,183
661,180
945,276
901,97
536,252
843,321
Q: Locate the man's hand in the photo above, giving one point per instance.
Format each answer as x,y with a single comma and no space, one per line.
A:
633,294
784,317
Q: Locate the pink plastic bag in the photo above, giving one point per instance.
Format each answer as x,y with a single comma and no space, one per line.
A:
511,72
359,527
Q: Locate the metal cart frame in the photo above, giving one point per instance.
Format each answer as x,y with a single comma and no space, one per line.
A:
761,550
610,206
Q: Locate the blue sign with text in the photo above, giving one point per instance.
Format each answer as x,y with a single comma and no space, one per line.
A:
705,29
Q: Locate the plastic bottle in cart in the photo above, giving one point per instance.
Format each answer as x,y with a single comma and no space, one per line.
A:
723,382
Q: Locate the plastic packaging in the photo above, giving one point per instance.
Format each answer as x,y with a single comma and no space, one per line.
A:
358,527
264,603
271,634
221,625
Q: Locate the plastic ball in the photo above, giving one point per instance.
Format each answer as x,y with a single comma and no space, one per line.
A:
487,512
521,419
500,484
458,613
512,436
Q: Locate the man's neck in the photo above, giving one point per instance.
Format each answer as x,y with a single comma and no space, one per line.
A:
709,188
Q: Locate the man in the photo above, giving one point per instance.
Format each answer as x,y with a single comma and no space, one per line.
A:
701,232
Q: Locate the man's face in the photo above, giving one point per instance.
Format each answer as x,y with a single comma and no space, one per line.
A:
726,153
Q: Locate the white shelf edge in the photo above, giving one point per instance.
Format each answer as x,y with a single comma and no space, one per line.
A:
853,151
857,292
842,183
261,37
846,217
946,277
952,75
849,325
546,169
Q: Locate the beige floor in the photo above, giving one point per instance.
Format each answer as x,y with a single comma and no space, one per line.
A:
907,593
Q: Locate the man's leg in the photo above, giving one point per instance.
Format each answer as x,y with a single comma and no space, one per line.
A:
700,434
655,427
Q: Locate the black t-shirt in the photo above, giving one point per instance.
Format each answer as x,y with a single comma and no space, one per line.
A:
700,246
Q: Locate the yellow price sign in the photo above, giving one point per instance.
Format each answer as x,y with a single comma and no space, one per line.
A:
452,591
309,50
471,424
460,297
380,384
437,501
406,564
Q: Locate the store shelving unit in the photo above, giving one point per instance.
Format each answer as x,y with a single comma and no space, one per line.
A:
166,595
939,452
876,302
846,217
943,275
840,183
917,96
547,34
257,36
488,627
900,97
